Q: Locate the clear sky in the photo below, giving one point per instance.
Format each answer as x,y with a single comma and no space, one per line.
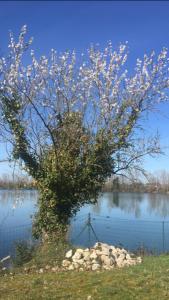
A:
75,25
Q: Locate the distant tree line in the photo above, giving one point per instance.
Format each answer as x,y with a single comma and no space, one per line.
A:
18,181
153,183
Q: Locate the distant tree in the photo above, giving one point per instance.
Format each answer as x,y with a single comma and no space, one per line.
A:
158,181
75,121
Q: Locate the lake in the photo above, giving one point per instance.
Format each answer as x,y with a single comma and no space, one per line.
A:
130,220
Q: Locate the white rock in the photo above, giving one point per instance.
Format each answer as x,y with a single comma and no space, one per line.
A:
105,267
108,261
69,254
86,256
86,250
74,260
88,263
88,267
79,250
98,252
124,251
139,259
77,255
80,261
93,255
128,257
75,265
97,245
95,267
101,256
54,269
104,245
47,267
71,268
114,255
122,256
95,261
41,270
66,263
112,248
133,262
119,263
105,250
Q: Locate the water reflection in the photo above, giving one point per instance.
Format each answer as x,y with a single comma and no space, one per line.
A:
16,197
139,205
158,205
129,219
15,203
124,210
17,206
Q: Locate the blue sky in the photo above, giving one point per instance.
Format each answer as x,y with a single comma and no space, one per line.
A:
75,25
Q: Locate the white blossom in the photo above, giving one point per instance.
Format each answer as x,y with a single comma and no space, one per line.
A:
97,82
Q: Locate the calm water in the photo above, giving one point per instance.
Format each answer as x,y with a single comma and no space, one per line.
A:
128,219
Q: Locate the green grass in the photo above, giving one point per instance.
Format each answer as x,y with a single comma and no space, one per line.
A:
150,281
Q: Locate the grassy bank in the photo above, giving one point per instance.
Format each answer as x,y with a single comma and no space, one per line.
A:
150,280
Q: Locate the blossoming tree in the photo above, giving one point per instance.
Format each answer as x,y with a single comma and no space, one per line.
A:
74,121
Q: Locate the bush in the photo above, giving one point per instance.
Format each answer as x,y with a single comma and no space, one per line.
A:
23,253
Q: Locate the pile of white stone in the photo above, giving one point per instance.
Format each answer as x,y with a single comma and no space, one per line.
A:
100,257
